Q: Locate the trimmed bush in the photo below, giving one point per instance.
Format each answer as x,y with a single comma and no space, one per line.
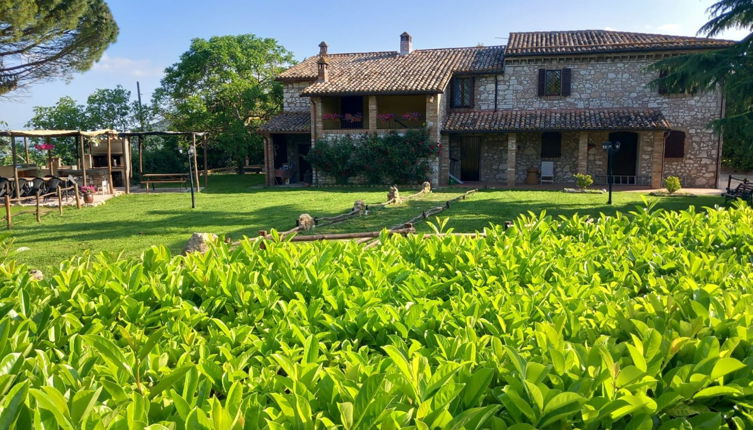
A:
583,180
672,184
626,321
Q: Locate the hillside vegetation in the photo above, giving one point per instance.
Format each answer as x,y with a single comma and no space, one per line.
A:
630,321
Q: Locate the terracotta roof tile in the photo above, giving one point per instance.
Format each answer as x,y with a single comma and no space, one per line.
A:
555,120
423,71
602,41
288,122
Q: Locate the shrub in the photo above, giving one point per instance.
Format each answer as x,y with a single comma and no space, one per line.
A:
672,184
583,180
335,158
619,322
389,158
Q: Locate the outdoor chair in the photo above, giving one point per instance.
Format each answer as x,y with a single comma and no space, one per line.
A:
6,188
38,185
547,172
23,187
52,186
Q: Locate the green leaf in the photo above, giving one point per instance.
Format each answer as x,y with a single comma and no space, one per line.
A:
169,380
725,366
476,387
717,391
476,415
14,399
561,406
311,350
110,352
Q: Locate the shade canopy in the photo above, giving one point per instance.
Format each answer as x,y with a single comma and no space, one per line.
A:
95,133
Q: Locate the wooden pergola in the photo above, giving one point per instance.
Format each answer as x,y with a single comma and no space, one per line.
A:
80,135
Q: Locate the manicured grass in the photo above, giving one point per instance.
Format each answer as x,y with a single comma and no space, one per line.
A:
238,205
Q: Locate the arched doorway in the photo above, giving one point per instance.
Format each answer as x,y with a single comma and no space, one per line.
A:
625,161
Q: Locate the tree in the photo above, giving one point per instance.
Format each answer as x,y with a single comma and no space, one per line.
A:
110,108
729,68
46,39
66,114
226,86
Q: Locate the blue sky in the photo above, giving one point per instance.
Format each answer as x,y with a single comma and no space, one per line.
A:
154,33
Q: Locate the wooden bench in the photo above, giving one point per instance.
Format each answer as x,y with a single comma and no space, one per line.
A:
163,178
743,190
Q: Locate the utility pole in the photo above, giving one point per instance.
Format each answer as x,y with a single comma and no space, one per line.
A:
141,108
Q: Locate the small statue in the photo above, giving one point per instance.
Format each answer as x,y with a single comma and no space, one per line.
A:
426,187
393,195
360,207
306,222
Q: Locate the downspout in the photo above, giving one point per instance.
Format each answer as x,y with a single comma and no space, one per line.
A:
722,112
496,90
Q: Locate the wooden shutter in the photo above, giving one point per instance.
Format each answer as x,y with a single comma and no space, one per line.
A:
542,82
674,144
566,79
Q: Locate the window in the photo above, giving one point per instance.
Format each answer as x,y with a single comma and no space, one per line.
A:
551,145
674,144
666,89
554,82
462,92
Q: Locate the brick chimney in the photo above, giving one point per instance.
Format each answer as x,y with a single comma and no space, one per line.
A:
406,44
322,64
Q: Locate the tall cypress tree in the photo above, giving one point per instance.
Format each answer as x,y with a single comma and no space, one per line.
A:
46,39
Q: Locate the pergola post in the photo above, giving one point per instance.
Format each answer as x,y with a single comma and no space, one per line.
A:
15,166
269,160
83,156
512,149
26,149
127,164
109,163
141,157
195,161
206,164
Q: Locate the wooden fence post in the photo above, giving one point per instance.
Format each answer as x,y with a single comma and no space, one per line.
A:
8,215
39,217
60,201
78,196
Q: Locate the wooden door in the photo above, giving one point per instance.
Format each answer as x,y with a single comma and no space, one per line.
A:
470,158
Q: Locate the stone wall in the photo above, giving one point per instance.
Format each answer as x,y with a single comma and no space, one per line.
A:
623,82
529,155
493,165
292,100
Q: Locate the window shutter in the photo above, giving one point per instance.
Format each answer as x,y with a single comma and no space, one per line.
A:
542,82
566,79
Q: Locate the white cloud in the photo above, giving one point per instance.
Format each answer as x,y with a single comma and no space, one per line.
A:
127,66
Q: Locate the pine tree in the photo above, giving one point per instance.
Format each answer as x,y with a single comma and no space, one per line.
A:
46,39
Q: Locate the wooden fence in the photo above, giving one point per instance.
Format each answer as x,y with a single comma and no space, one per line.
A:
39,197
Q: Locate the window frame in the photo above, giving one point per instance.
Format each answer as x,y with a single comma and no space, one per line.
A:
547,74
454,102
671,147
549,153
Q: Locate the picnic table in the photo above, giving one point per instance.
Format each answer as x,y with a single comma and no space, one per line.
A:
163,178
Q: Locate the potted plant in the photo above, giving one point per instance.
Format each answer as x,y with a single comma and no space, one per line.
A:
88,192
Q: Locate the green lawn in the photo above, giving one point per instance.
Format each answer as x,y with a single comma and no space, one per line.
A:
237,205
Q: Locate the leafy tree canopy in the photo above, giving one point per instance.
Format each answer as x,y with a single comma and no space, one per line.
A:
731,69
110,108
225,85
46,39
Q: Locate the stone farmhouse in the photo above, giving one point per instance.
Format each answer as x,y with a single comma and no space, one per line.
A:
500,111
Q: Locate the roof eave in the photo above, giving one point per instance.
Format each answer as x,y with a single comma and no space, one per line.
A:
614,51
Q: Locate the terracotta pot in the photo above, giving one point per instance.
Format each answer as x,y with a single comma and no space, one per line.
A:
88,198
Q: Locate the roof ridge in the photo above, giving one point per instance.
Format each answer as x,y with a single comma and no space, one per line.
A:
620,32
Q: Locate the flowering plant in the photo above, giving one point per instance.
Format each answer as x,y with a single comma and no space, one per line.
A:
412,116
385,116
44,147
88,189
330,116
353,117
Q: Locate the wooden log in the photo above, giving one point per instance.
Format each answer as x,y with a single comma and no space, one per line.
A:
60,201
78,196
26,149
8,214
83,156
195,163
141,157
127,164
38,214
206,164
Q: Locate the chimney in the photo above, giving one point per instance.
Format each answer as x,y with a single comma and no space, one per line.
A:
322,64
406,44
